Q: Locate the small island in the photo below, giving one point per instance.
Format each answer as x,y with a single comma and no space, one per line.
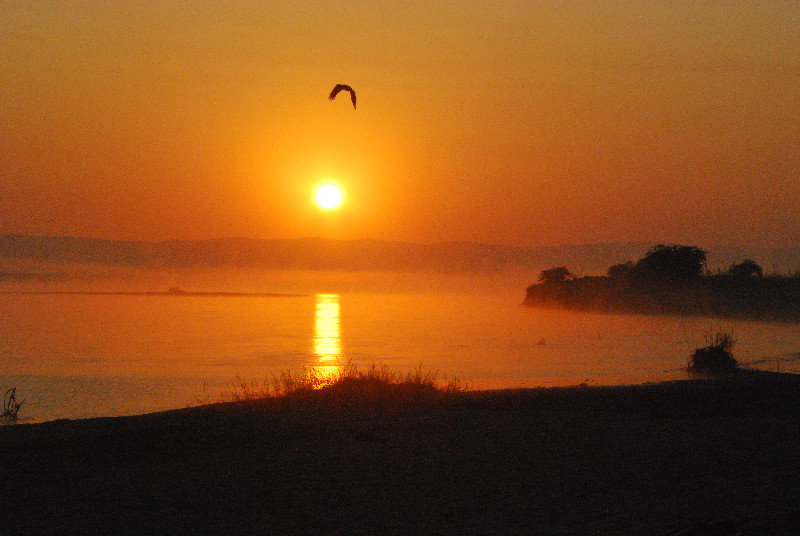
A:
673,280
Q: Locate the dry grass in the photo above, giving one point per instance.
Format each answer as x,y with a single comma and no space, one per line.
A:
348,387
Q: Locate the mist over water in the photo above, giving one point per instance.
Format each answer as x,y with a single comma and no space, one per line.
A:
82,355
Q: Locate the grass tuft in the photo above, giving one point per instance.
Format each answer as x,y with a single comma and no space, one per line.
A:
716,357
376,388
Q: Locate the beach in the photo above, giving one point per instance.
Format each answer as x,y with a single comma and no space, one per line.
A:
713,456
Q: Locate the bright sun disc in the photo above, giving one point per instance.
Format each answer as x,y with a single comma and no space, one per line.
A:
328,196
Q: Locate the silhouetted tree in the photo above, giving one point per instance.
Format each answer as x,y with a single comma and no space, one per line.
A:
745,270
622,270
673,263
555,275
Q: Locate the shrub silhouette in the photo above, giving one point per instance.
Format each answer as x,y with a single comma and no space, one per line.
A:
716,358
745,270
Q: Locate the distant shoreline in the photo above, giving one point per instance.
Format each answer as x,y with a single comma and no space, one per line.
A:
707,298
673,280
179,294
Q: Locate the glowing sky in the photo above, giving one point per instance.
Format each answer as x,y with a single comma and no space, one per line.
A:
503,122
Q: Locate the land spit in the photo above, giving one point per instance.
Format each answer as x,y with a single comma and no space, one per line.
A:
713,456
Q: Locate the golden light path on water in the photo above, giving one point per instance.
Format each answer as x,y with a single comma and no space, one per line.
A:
327,338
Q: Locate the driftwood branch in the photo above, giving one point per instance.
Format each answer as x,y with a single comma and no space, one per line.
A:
10,404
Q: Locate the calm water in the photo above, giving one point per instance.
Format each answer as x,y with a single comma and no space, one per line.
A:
95,355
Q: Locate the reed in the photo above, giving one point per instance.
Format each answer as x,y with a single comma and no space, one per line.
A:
10,405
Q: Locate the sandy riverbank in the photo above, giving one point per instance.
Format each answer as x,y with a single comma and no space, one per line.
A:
690,457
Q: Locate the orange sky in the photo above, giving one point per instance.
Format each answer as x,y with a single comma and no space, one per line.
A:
502,122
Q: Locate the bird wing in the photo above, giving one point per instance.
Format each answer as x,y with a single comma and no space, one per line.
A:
336,89
343,87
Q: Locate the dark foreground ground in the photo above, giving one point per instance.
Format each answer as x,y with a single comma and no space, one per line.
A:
694,457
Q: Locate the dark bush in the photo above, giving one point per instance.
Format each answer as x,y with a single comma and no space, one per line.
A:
746,269
716,358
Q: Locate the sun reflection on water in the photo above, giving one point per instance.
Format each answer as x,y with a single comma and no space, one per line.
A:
327,338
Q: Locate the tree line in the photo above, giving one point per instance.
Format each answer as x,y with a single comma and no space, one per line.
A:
673,279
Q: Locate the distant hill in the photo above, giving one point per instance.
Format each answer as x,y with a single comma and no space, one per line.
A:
367,254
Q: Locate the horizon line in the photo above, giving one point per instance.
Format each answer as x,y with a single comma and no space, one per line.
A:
388,241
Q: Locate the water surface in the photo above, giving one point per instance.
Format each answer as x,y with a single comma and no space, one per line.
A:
75,355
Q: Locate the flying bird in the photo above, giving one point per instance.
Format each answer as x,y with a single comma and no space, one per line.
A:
343,87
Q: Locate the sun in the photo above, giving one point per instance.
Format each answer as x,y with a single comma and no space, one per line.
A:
328,196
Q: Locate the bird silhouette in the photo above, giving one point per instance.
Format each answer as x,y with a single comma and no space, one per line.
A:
343,87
